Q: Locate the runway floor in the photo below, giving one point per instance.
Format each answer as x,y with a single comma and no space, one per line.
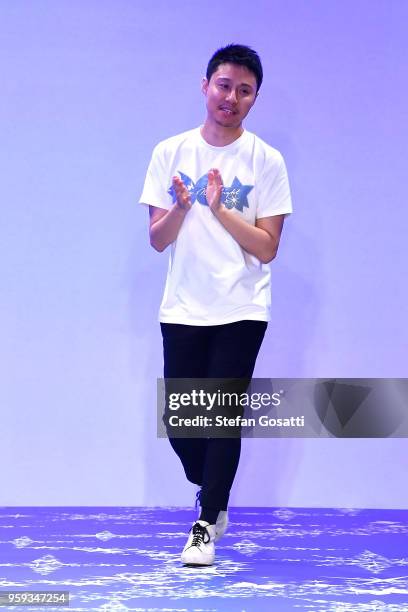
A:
270,559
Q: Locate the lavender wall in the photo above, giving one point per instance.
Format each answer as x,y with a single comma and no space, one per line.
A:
88,88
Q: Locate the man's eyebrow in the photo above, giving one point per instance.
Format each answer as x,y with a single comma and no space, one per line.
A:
221,78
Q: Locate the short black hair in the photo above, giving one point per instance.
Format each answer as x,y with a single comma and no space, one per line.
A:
237,54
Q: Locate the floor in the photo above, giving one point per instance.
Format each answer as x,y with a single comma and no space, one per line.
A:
274,559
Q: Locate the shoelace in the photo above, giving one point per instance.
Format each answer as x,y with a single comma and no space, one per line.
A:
199,533
197,501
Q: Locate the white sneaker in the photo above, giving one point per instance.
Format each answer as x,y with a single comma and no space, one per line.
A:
199,549
221,524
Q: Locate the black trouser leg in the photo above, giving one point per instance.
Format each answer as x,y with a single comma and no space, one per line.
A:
185,352
219,351
233,351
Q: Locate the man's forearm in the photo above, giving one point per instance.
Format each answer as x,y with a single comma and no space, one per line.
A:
254,240
164,231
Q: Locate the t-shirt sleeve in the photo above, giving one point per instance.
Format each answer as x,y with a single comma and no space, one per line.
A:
273,189
155,189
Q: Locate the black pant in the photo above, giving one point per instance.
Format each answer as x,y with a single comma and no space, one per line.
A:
214,351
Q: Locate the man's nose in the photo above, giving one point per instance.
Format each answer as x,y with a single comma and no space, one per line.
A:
232,96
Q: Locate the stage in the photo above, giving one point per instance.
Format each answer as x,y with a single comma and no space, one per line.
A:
279,559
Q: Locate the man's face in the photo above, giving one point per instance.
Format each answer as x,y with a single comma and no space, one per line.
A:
230,93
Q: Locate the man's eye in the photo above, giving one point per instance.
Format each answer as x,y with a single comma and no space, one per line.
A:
245,92
223,85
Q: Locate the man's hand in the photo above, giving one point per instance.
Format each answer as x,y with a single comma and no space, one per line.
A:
214,190
183,200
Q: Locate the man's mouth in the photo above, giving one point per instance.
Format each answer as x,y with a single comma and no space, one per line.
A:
228,110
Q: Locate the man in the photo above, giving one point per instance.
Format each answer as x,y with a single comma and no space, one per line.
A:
218,195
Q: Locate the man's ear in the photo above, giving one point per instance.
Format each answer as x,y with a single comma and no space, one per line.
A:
204,86
255,99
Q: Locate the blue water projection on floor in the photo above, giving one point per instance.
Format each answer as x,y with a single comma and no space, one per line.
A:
119,559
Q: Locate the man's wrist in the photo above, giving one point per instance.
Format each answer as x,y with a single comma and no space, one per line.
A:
219,211
180,210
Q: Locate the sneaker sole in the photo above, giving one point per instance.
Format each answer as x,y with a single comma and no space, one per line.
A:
198,564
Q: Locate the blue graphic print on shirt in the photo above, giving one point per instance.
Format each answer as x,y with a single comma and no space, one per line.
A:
235,196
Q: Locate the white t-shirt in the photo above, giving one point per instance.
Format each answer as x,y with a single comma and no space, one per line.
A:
211,280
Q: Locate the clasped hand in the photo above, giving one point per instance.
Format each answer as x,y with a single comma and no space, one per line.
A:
213,191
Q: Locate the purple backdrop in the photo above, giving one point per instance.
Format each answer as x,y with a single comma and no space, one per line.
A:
88,88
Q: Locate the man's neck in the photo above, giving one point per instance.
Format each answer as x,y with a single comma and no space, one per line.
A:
219,136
